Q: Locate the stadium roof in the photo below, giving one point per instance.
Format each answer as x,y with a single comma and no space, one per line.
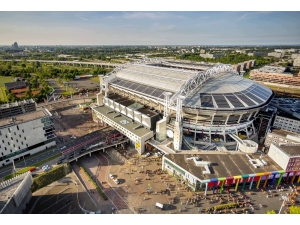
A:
218,87
158,77
228,91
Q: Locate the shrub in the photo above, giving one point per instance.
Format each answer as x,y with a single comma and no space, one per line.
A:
226,206
49,177
93,182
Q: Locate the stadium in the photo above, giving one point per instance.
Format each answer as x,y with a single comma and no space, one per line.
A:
178,105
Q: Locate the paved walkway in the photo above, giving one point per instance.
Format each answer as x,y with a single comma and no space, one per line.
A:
104,206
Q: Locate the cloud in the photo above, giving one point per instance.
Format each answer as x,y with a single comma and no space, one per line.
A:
145,15
82,18
170,27
242,17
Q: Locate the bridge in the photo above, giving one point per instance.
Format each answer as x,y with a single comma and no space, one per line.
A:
101,148
102,64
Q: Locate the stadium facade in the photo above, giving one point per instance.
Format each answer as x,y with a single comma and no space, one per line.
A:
175,105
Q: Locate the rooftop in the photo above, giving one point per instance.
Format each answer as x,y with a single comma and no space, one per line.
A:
291,150
25,117
134,127
222,165
228,91
271,69
281,132
13,85
169,79
132,104
13,104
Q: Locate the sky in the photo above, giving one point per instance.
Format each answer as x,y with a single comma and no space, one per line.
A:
150,28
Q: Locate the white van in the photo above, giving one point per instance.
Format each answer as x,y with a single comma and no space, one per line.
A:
159,205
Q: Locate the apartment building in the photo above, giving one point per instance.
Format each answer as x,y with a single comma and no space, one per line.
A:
286,122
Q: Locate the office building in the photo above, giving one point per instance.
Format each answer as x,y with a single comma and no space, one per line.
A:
25,134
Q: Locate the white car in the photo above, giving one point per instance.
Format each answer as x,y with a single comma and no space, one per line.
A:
73,137
63,147
111,176
116,181
46,168
148,154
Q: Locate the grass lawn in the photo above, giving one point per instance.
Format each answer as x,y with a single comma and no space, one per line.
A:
65,93
4,79
96,79
3,96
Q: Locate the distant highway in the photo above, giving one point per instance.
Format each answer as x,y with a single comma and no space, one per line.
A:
68,62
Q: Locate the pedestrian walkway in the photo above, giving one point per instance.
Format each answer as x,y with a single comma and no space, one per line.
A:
90,187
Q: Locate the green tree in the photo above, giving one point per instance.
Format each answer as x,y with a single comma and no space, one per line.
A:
11,97
271,212
28,94
294,210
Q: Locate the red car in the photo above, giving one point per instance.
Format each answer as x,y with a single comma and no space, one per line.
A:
32,169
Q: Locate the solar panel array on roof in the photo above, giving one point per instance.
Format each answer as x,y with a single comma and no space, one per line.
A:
155,92
206,101
245,99
254,97
221,101
234,101
260,92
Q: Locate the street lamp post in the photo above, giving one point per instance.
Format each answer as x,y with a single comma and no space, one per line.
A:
285,198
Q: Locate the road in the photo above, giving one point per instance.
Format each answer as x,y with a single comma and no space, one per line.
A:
69,62
115,194
27,162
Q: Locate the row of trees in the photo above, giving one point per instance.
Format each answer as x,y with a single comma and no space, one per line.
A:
228,58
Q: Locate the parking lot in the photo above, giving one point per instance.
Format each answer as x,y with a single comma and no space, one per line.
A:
84,84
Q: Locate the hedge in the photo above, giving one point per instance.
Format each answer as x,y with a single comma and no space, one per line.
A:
226,206
26,169
49,177
93,182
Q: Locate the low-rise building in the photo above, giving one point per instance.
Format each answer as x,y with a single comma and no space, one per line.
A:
257,54
287,156
17,108
275,54
279,136
25,134
294,56
296,62
287,122
212,56
204,172
275,75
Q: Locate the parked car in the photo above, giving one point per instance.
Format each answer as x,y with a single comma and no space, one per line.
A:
46,168
116,181
111,176
63,147
148,154
32,169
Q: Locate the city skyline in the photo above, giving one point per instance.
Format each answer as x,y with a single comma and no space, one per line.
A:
150,28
